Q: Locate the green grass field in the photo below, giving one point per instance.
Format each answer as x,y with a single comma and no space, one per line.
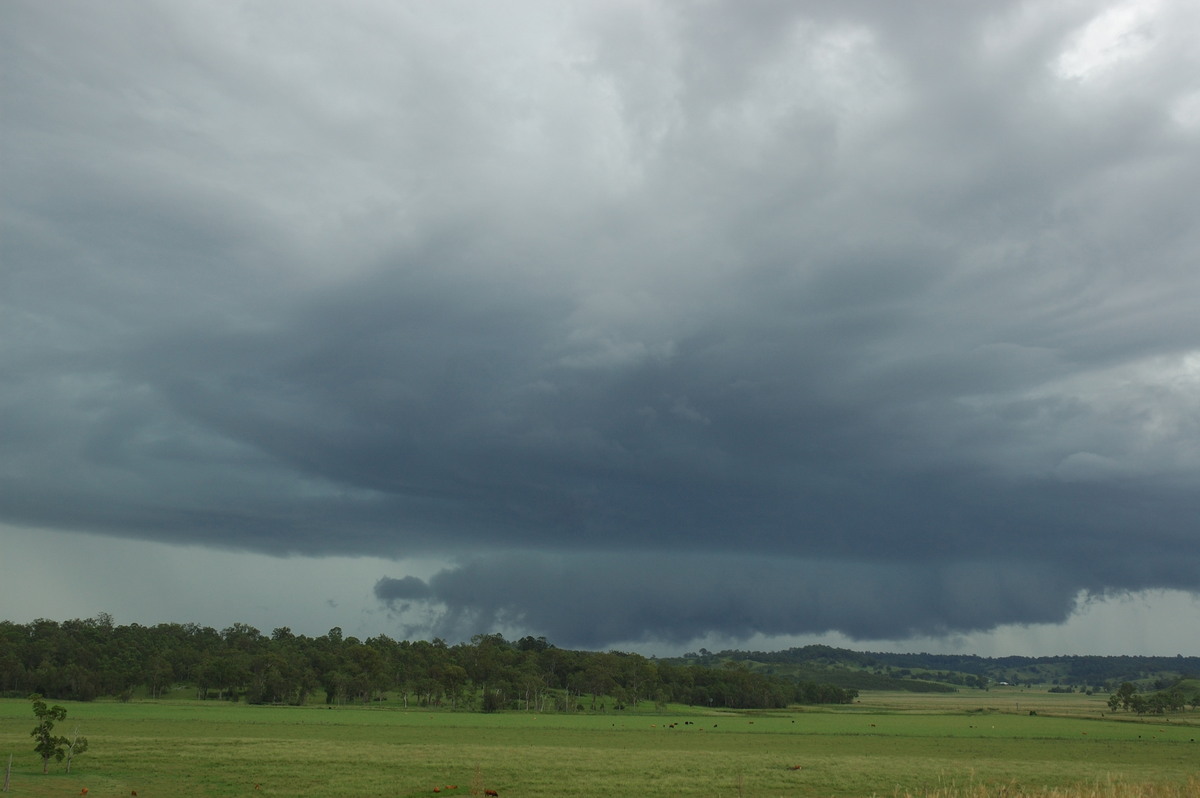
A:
968,743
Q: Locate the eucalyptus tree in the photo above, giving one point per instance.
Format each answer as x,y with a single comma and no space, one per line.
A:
47,745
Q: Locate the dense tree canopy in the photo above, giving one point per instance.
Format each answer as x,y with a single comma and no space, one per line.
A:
85,659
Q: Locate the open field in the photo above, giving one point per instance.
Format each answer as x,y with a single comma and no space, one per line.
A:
969,743
1018,700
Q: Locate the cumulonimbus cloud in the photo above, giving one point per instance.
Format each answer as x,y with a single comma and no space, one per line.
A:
615,296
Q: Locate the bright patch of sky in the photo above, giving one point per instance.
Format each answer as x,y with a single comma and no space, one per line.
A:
1119,35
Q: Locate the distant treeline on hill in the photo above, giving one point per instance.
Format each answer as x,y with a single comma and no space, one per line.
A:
945,672
87,659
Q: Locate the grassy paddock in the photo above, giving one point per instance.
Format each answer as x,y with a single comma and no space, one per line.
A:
887,745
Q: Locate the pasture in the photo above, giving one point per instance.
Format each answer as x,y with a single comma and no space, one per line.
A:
970,743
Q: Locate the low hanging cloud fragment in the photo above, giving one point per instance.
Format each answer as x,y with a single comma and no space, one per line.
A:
408,587
598,599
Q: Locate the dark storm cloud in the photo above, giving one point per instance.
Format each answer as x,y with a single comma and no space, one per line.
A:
733,318
409,587
591,601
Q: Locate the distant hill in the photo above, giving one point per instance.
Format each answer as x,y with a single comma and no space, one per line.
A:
866,670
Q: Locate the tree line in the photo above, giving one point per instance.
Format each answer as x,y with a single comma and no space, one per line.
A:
1174,698
84,659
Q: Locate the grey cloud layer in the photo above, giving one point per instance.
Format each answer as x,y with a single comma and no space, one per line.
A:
841,297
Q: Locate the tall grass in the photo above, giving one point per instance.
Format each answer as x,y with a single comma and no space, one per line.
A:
1106,789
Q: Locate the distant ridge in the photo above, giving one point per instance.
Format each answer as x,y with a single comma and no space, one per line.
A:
872,670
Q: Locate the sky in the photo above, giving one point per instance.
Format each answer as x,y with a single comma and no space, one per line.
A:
644,325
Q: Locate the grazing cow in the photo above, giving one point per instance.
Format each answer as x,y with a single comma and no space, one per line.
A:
492,793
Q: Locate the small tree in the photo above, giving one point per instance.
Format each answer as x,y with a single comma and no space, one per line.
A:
77,745
1125,696
47,745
